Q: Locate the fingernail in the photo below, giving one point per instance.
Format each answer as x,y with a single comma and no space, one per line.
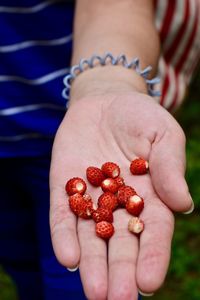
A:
191,208
145,294
72,269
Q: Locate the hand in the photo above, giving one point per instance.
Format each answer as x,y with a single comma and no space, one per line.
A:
117,128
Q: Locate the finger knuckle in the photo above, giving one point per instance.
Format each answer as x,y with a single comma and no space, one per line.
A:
123,293
98,291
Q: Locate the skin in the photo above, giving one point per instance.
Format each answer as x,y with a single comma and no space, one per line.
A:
105,134
111,118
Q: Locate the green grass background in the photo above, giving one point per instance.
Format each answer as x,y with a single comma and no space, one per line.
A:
183,278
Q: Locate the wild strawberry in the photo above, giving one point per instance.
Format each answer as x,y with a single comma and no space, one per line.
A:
109,185
75,203
102,214
110,169
87,197
135,205
135,225
124,194
91,206
108,200
80,207
94,176
75,185
120,181
86,210
139,166
104,230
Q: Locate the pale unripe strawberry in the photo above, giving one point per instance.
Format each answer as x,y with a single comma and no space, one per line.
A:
135,225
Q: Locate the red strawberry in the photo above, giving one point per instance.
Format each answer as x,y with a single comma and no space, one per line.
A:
102,214
91,206
124,194
139,166
110,169
86,211
135,225
120,181
75,185
107,200
135,205
104,230
94,176
109,185
75,202
87,197
80,207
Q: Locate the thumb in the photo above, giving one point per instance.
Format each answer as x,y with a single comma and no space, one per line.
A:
167,168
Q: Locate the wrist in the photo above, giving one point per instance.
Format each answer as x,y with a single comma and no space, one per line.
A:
107,79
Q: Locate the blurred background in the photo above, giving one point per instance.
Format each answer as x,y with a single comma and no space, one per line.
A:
183,278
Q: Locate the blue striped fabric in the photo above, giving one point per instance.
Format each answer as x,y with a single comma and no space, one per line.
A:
35,52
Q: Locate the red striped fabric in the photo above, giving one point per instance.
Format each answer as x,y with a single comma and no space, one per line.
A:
178,22
167,20
189,45
165,88
175,96
175,44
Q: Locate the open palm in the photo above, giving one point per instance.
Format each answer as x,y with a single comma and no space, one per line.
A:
118,128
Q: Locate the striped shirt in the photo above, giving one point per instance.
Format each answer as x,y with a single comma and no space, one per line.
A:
178,23
35,52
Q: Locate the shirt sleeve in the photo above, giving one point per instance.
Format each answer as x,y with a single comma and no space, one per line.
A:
178,23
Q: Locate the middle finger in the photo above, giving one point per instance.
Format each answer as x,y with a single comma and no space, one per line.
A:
123,252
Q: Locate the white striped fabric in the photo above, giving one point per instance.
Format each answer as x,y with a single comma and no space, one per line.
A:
27,44
35,53
179,25
37,81
21,137
190,20
29,107
177,20
27,10
160,14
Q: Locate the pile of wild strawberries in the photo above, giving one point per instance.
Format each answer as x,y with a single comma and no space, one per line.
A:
115,194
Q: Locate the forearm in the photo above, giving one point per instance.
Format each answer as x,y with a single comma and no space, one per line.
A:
125,26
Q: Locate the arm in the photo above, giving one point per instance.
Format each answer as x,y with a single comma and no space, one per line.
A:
109,120
124,27
118,27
